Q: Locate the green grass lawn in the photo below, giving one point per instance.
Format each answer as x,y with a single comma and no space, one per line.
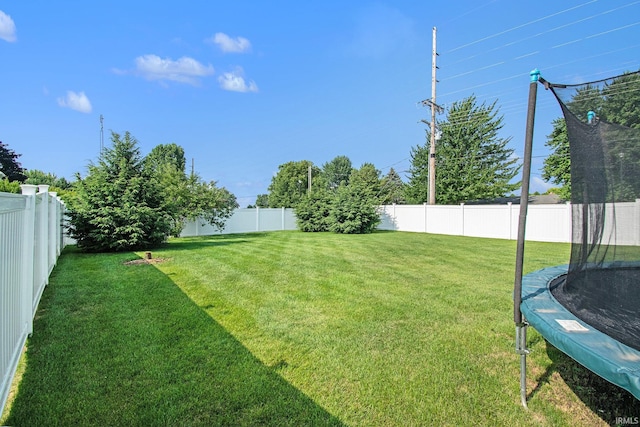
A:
292,328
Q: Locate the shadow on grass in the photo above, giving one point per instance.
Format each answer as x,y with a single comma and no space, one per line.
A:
603,398
125,346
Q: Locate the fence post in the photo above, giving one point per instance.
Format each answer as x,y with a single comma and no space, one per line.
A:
462,218
52,231
424,206
257,218
510,205
44,232
28,255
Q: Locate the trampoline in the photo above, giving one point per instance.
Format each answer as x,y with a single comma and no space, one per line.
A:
590,308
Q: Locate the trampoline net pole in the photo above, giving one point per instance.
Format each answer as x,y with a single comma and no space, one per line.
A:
524,196
521,326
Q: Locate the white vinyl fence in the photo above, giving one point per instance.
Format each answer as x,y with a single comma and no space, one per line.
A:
545,223
30,242
246,221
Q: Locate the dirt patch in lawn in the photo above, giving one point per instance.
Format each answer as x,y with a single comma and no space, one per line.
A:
147,261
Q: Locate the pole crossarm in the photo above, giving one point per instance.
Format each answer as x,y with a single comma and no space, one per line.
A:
431,104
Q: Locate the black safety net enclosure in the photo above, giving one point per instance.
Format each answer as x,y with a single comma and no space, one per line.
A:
602,286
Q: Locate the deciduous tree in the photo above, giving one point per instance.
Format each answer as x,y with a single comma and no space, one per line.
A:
9,165
290,184
616,102
336,172
187,197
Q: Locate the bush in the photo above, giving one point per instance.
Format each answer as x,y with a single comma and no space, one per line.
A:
7,186
313,210
353,211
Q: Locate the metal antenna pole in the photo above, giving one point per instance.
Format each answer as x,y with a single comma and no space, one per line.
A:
521,324
101,134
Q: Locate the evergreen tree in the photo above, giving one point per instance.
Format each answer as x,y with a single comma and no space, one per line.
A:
472,161
118,206
367,180
417,189
557,166
353,210
312,212
392,189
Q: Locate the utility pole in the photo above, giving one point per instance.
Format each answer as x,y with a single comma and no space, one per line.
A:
309,181
435,108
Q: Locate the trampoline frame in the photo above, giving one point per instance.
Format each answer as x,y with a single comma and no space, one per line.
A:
595,350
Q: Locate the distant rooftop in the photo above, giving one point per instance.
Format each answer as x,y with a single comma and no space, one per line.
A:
543,199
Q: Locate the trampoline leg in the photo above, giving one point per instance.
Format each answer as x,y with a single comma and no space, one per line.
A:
521,349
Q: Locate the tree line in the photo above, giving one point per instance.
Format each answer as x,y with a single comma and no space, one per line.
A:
128,201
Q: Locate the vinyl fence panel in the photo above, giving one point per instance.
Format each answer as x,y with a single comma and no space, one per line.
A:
30,242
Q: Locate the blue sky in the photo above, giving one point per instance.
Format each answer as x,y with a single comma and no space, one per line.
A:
245,86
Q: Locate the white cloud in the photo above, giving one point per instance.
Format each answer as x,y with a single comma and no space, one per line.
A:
76,101
234,81
228,44
184,70
7,28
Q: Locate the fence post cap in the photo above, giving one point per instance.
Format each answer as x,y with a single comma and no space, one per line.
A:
28,189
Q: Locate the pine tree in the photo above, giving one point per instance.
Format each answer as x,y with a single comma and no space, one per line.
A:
118,206
472,161
392,190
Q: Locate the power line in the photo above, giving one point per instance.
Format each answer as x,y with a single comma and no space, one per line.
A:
544,33
596,35
519,26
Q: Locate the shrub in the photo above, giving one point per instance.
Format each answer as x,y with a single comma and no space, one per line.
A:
353,211
313,210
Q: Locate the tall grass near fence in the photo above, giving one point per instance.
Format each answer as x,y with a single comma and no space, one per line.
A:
300,329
